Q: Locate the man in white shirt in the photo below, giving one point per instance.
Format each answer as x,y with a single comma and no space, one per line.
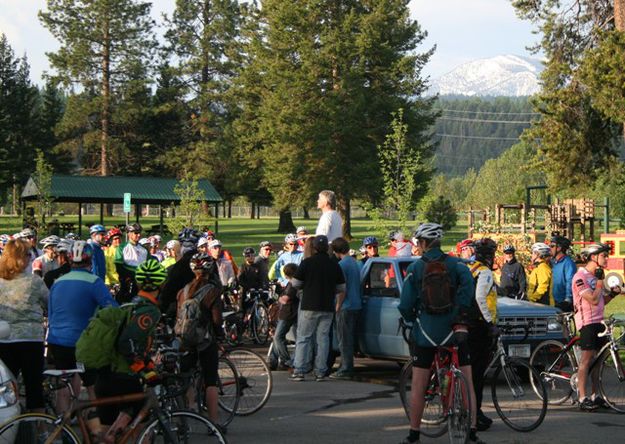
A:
330,222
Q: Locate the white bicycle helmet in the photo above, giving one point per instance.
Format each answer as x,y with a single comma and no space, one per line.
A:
596,248
429,231
214,243
64,246
50,241
203,241
81,251
541,249
290,238
171,245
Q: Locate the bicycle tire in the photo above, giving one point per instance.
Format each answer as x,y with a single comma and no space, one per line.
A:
202,431
256,381
260,324
31,427
516,402
611,386
557,382
459,419
433,421
228,389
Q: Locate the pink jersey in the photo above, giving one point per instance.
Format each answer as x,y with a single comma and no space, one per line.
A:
585,312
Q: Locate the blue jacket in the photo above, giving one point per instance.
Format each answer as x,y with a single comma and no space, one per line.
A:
562,279
439,326
294,257
351,271
98,261
73,300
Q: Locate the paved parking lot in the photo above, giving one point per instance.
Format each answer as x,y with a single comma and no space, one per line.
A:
371,412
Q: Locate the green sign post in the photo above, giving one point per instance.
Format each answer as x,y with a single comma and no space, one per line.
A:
127,209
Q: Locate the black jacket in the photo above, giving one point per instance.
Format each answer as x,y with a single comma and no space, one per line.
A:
513,280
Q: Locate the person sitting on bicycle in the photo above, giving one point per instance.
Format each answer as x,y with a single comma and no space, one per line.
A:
250,273
482,319
431,330
589,298
206,280
132,366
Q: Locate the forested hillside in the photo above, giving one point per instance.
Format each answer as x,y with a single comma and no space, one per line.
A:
472,130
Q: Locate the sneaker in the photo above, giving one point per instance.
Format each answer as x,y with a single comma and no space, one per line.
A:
340,375
600,403
474,438
483,422
587,405
407,441
321,378
298,377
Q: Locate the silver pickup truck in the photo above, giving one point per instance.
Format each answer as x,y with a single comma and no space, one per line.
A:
379,335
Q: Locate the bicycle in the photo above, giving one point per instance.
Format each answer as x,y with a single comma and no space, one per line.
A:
53,382
253,322
559,366
150,425
513,401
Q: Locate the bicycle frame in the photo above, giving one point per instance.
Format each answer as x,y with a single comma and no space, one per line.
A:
449,363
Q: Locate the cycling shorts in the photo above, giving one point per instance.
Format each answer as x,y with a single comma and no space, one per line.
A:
422,357
209,363
589,339
64,358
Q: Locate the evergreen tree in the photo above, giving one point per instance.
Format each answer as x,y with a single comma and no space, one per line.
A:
101,43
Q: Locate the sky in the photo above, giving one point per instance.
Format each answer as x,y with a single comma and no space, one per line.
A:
463,30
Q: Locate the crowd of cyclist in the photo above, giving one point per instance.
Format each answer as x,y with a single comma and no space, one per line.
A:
69,279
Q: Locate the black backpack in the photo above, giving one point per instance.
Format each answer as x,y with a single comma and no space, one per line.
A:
437,291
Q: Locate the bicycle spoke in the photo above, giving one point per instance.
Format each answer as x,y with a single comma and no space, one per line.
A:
612,379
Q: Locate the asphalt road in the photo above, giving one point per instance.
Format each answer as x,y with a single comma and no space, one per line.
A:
369,411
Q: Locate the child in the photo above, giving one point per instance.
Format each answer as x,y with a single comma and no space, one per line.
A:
287,317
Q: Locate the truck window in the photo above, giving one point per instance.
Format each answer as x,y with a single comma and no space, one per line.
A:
379,283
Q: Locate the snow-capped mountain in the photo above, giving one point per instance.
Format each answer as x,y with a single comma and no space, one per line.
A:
504,75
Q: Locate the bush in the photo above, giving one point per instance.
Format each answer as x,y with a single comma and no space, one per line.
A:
440,211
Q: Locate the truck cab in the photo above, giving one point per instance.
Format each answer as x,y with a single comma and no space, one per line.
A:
379,335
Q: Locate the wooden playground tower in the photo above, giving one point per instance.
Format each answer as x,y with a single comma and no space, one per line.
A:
572,218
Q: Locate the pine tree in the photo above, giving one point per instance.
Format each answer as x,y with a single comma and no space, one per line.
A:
101,42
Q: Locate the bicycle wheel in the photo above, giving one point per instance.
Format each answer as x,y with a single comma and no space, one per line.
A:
516,402
35,427
261,324
254,378
459,420
433,421
612,379
554,369
228,389
187,428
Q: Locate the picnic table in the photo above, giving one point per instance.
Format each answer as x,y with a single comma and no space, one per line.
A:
156,229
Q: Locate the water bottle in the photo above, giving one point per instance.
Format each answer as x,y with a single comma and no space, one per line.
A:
443,377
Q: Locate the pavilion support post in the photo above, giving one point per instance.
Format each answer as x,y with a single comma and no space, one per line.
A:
216,218
79,219
160,219
101,214
137,212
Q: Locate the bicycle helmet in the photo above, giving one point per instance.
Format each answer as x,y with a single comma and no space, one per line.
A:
466,243
485,249
209,234
27,233
150,275
541,249
152,242
301,229
214,243
81,252
290,239
64,246
249,251
596,248
509,249
50,241
72,236
429,231
97,228
172,244
202,261
395,235
144,241
188,236
370,240
4,239
134,228
265,244
560,241
203,241
113,232
157,238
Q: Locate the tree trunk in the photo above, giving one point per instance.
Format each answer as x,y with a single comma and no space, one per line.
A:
253,211
286,224
345,210
229,208
106,92
306,214
619,23
223,209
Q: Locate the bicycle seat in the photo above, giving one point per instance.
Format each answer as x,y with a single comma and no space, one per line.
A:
60,373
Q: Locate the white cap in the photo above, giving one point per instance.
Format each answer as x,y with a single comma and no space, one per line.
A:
214,243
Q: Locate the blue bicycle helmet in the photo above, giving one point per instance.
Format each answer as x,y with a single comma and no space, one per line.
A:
369,240
97,228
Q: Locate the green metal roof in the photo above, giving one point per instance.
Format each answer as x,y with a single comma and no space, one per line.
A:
111,189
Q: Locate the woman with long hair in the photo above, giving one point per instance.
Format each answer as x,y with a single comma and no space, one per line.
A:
23,298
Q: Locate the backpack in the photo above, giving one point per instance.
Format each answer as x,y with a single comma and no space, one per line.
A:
96,347
193,327
437,291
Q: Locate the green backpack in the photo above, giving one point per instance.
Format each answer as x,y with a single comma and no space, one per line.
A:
96,347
